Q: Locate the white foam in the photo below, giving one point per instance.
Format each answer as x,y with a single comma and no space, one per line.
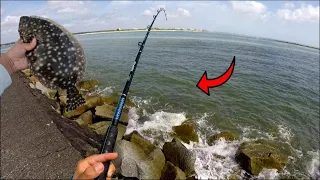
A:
314,166
140,102
217,161
213,162
285,133
268,174
158,126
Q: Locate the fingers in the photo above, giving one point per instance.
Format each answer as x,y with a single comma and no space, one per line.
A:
111,170
101,158
30,46
92,171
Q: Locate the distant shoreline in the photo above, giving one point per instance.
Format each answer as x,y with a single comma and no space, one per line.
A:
126,31
169,30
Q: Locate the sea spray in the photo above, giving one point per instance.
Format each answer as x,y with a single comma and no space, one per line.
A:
314,166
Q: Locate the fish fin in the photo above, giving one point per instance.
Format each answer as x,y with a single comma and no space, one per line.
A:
74,98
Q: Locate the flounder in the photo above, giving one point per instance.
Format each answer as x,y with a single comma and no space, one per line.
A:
58,60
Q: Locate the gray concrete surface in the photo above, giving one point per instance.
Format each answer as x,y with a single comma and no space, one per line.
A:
32,147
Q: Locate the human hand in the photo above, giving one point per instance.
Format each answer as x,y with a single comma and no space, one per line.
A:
92,166
15,59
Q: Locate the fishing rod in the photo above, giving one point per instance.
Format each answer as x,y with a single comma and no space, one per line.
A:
112,131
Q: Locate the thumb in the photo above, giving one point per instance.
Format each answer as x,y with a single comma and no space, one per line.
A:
92,171
31,45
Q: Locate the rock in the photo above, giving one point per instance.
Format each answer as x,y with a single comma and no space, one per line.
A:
180,156
85,119
254,156
107,112
149,165
32,85
137,139
91,102
171,171
52,94
46,91
33,79
88,85
27,72
113,101
101,127
129,167
91,151
228,136
186,132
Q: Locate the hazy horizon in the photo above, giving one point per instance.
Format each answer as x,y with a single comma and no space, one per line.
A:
296,22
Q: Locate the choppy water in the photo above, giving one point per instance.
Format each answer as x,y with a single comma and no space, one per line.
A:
272,94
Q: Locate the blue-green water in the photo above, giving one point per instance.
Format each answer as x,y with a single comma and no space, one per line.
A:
272,94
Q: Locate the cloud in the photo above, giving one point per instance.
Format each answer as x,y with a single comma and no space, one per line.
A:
289,5
120,3
10,21
251,8
146,13
184,12
179,13
303,14
67,7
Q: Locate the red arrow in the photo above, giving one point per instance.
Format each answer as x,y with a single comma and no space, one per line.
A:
204,83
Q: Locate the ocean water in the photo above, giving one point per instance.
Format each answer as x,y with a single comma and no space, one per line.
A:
273,93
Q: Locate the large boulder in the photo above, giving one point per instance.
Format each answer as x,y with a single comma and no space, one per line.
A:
134,158
137,139
228,136
186,132
171,171
129,167
180,156
85,119
88,85
101,128
107,112
254,156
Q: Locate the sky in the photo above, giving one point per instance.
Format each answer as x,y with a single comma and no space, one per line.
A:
294,21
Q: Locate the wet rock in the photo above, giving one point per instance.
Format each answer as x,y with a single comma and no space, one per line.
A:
186,132
149,165
171,171
180,156
254,156
107,112
85,119
101,127
228,136
88,85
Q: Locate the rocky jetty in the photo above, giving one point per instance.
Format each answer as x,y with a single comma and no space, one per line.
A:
138,158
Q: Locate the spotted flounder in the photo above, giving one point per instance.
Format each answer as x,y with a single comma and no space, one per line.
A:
58,60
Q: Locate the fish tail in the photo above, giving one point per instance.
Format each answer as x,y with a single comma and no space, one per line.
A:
74,99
